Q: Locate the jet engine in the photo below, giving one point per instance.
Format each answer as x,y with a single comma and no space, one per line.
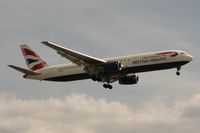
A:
128,80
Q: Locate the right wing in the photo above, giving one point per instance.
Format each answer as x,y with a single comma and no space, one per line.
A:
74,56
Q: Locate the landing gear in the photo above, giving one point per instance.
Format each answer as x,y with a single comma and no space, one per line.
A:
100,79
178,71
96,79
107,86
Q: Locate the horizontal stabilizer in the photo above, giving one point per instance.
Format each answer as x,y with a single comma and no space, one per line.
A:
23,70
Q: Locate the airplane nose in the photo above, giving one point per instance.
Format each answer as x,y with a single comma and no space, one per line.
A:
189,57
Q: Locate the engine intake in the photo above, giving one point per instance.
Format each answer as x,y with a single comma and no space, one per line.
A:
128,80
112,66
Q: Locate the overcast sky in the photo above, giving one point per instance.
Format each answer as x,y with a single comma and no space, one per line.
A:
101,28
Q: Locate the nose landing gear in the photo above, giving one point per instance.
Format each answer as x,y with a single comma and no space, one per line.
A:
178,71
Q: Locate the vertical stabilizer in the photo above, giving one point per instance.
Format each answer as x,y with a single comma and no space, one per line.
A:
33,60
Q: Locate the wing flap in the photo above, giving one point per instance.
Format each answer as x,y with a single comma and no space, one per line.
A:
74,56
23,70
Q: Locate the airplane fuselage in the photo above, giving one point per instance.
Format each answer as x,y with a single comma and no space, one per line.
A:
131,64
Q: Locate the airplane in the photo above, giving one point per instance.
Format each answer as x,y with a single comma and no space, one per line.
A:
108,70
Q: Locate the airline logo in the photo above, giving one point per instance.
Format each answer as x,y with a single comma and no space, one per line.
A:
38,66
29,52
33,61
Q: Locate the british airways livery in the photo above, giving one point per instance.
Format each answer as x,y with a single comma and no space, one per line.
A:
122,69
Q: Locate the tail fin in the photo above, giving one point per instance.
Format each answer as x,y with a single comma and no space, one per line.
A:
33,61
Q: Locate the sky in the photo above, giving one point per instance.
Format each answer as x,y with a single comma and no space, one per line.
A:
160,102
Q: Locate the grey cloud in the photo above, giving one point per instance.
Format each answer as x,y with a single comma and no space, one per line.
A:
81,113
191,108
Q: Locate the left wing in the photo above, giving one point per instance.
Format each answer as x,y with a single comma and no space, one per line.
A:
74,56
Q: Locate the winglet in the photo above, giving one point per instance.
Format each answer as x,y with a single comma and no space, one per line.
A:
23,70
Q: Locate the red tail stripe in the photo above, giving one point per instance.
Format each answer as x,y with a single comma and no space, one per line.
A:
38,66
28,52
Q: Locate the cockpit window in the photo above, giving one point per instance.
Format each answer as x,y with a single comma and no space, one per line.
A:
183,52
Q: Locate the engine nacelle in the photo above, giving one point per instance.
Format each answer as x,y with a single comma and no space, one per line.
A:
128,80
112,66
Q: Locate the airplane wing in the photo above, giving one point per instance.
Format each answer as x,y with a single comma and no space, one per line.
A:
74,56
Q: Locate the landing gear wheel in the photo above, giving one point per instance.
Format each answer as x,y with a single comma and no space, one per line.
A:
107,86
177,73
110,87
94,78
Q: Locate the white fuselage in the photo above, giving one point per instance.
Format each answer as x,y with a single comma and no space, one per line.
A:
131,64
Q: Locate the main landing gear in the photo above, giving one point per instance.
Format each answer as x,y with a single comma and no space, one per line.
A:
178,71
107,86
96,79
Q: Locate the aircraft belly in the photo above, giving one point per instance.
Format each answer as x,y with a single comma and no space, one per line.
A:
153,67
68,74
73,77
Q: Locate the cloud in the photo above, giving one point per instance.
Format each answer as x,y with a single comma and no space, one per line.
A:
85,114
